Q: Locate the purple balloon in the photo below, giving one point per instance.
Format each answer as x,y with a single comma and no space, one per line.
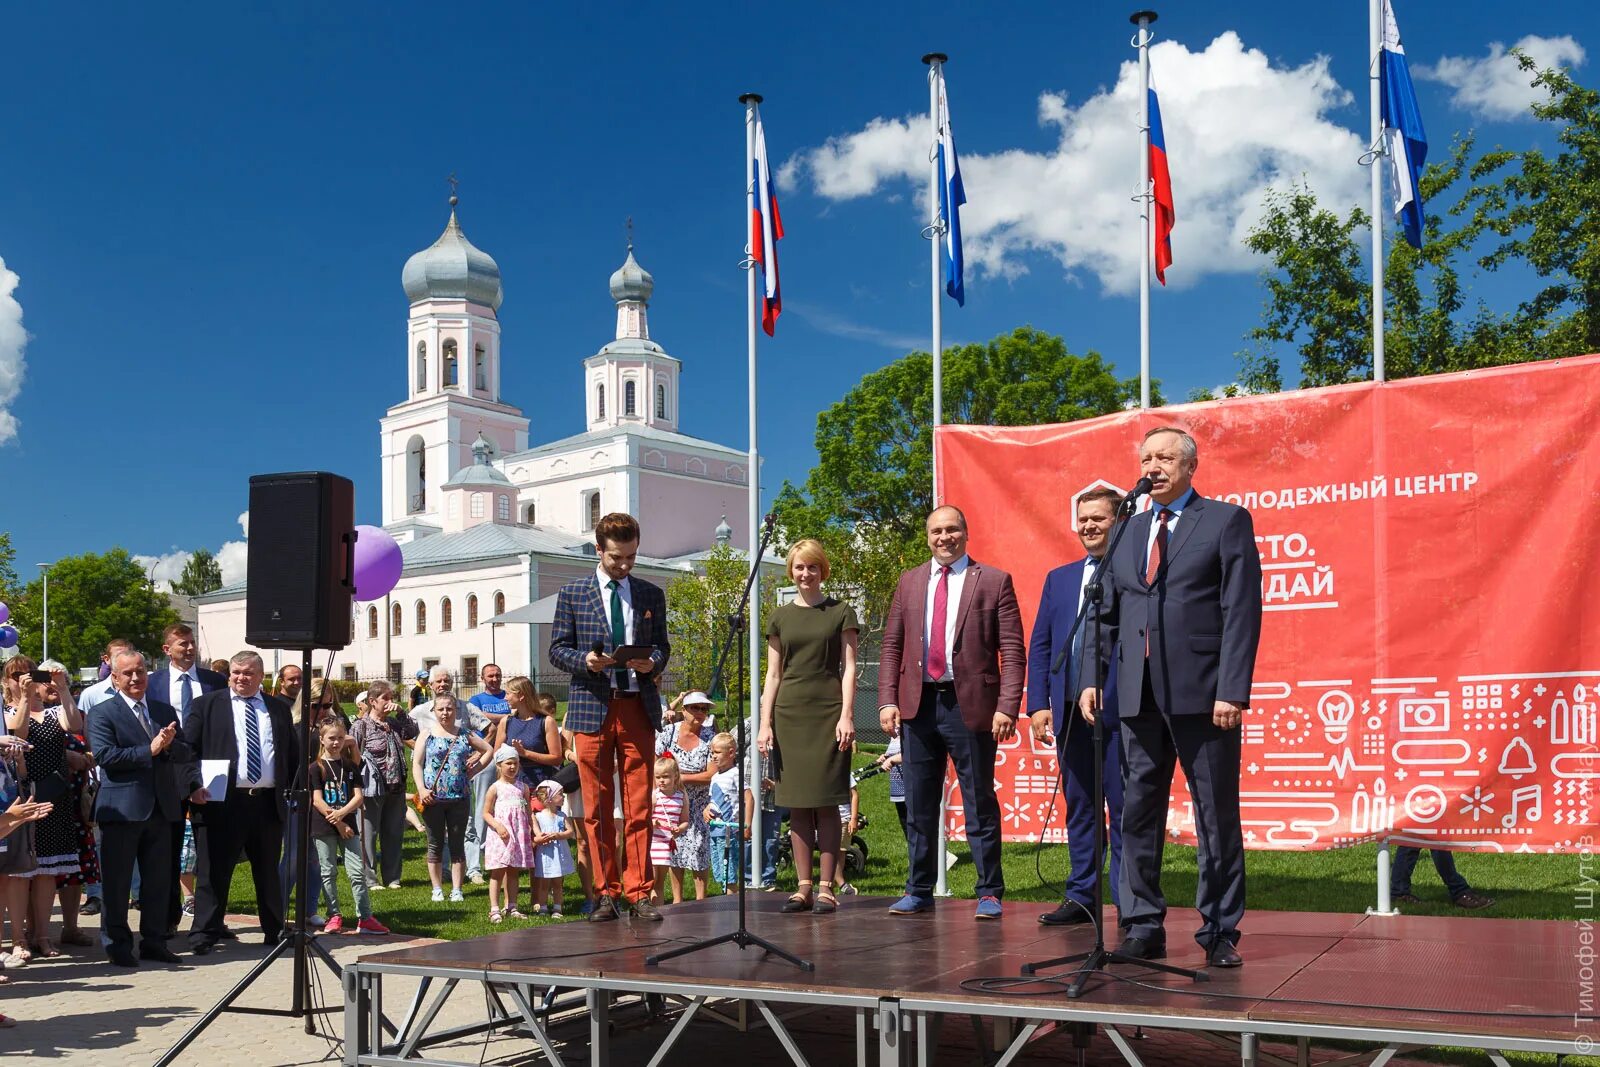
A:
5,612
378,562
9,637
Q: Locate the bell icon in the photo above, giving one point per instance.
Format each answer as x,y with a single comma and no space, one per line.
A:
1517,759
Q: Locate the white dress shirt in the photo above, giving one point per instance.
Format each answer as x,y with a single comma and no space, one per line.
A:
1176,507
140,717
625,592
175,688
958,578
253,705
1090,565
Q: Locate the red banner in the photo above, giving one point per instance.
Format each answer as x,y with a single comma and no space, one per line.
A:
1430,655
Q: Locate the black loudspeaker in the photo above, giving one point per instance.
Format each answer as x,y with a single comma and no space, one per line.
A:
301,569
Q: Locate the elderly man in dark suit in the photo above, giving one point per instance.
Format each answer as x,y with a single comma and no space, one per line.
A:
950,686
614,709
1062,632
254,733
145,772
1183,609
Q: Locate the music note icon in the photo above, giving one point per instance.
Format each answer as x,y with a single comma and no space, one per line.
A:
1534,794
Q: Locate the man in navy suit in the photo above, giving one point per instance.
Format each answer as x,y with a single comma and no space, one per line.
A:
1063,626
614,709
1184,614
255,734
146,769
178,684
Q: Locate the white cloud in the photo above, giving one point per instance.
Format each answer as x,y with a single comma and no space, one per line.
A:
838,325
1235,126
1495,86
231,557
13,339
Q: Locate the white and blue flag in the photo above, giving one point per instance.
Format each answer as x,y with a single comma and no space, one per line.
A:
1405,143
951,197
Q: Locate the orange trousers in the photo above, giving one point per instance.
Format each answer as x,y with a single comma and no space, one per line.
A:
625,745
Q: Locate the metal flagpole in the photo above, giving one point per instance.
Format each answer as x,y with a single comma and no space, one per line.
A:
1374,93
936,233
753,480
1146,198
1376,156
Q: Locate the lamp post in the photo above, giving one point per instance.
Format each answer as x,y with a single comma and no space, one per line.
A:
44,568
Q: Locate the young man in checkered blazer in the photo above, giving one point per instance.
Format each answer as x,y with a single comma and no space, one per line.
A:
614,710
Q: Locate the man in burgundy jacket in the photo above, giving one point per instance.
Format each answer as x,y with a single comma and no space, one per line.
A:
950,686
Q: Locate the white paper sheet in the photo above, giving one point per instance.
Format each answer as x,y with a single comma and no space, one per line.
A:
214,776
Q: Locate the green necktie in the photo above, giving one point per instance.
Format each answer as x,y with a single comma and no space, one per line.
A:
619,631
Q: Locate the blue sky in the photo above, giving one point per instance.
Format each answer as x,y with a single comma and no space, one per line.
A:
207,209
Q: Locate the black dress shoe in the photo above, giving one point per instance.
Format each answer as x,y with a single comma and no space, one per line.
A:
1141,947
159,953
122,957
201,948
643,909
604,911
227,935
90,907
1224,954
1070,913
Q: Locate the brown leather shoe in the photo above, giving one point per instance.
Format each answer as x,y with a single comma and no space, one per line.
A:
643,909
604,910
1472,899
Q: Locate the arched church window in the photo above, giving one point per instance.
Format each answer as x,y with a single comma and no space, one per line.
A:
661,401
477,505
533,512
422,366
600,401
422,617
372,622
416,475
446,616
499,603
480,369
628,403
451,377
594,510
394,620
472,611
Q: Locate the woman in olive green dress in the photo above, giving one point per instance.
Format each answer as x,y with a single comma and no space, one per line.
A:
806,718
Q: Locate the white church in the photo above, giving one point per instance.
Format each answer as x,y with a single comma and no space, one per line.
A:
488,524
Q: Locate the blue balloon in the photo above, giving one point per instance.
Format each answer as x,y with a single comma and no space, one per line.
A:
9,637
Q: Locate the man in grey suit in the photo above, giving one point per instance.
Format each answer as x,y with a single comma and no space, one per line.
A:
146,770
1183,610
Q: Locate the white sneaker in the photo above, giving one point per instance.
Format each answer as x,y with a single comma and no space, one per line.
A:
455,896
438,893
395,884
476,878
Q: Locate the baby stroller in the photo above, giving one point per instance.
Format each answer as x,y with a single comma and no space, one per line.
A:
855,850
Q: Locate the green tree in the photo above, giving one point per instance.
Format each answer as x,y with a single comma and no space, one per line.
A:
8,572
1542,208
871,488
698,606
200,575
93,598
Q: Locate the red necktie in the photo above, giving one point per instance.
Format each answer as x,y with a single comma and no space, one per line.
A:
1158,548
941,608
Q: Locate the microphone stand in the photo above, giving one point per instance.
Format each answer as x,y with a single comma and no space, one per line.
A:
741,936
1098,958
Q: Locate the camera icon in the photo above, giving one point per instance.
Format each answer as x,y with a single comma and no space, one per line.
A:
1425,715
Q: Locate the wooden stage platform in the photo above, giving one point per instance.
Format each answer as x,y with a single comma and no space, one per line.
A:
1396,983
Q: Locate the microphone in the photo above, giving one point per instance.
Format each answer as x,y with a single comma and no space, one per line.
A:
599,648
1140,488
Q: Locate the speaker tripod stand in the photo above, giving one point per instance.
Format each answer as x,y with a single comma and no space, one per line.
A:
296,938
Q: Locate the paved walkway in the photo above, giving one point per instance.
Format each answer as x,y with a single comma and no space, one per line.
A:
78,1009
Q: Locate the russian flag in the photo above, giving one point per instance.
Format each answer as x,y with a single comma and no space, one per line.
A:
1405,143
766,228
952,194
1160,190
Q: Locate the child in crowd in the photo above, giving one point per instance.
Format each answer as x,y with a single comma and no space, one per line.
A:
722,812
335,782
553,859
509,849
668,819
187,864
848,816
